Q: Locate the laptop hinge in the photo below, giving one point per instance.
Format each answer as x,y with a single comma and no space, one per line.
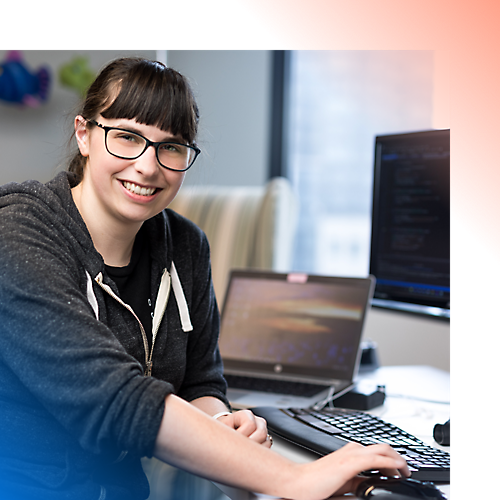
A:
283,376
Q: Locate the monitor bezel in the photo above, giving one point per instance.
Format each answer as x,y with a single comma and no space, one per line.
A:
435,309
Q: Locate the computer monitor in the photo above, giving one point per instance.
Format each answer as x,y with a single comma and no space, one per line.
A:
410,240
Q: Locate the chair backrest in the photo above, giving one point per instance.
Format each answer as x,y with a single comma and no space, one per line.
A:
247,227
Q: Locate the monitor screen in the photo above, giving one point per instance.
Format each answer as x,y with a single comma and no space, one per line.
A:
410,242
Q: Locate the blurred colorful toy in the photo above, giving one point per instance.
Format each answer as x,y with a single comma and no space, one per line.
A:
77,75
19,86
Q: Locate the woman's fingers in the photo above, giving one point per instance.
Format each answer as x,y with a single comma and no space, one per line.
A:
344,466
385,455
353,459
381,457
248,424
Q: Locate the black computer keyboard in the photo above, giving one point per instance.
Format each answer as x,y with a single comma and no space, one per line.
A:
272,385
329,429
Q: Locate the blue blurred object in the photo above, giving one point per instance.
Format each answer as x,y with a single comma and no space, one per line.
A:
19,86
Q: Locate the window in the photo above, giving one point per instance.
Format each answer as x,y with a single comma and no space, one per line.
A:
335,103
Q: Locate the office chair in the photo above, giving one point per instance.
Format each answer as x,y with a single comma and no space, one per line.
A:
246,226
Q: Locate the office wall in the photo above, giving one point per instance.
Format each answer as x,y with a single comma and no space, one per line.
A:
408,339
441,94
233,93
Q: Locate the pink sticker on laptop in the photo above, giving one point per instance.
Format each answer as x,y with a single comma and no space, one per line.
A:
297,278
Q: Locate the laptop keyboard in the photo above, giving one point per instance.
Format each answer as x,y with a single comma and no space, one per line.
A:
303,389
329,429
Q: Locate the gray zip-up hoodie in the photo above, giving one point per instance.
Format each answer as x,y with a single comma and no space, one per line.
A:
76,409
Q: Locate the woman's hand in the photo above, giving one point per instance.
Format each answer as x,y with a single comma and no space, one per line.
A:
337,473
248,424
243,421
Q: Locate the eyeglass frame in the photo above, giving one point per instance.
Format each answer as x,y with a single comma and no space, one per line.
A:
155,145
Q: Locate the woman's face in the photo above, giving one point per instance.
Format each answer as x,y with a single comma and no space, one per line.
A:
127,191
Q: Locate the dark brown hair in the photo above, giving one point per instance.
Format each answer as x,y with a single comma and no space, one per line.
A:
144,90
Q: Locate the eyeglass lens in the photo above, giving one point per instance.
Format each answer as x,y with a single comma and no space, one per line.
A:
129,145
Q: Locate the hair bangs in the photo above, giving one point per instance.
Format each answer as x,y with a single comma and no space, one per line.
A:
156,96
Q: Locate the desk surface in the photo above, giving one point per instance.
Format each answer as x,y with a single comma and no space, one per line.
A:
417,398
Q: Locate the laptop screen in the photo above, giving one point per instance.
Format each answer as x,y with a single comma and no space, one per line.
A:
294,324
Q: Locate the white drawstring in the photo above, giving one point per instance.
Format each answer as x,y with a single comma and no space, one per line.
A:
161,301
181,300
91,296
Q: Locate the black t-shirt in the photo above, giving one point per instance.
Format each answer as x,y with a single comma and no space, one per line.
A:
134,283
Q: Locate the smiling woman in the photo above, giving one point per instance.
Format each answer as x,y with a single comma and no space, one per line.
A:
116,195
94,271
137,87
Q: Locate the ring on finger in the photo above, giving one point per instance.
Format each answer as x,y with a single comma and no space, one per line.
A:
270,439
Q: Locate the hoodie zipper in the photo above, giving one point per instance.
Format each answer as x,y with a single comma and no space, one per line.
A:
160,308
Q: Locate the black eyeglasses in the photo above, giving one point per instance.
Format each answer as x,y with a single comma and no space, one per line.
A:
130,145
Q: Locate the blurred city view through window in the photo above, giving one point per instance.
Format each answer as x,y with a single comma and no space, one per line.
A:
338,102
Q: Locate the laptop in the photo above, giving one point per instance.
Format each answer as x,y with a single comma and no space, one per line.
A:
292,330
